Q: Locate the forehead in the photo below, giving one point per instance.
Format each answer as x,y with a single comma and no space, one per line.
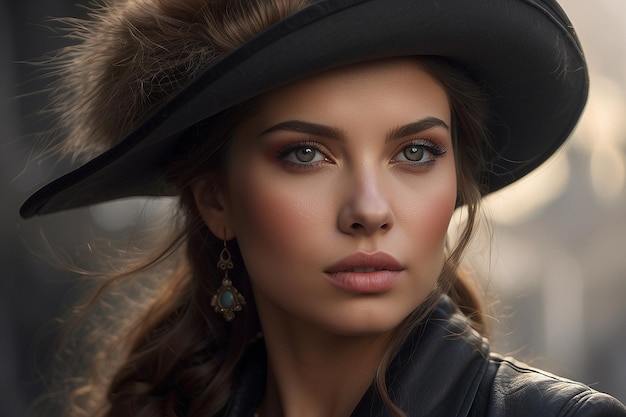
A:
400,86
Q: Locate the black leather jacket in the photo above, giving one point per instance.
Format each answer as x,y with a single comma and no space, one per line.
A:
445,369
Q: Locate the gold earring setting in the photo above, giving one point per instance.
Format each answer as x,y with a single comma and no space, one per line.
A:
227,300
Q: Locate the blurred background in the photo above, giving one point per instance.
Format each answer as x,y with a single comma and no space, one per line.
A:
553,254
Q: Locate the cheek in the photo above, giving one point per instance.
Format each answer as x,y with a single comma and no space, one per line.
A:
264,208
430,209
440,212
276,220
442,207
425,221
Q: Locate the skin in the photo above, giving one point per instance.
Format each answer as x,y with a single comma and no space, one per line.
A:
320,170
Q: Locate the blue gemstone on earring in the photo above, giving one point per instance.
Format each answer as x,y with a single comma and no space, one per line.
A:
227,299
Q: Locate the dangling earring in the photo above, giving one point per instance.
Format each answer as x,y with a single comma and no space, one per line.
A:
227,299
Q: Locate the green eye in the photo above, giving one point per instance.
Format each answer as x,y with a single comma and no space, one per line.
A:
419,153
413,153
302,155
305,154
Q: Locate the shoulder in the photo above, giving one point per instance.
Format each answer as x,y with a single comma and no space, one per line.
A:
520,390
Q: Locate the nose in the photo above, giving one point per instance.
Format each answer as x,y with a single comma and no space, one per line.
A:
366,209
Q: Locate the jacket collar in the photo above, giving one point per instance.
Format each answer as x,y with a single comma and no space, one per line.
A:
437,371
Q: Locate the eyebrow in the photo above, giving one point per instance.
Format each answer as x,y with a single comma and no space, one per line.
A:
331,132
301,126
417,127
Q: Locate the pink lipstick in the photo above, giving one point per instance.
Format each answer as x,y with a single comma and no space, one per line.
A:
365,273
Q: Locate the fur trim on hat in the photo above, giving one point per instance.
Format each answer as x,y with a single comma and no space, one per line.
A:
131,55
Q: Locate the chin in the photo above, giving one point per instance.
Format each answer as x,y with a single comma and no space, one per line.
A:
367,321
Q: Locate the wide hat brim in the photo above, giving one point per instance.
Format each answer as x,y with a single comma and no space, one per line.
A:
524,52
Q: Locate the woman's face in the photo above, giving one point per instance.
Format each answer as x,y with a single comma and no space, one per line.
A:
339,191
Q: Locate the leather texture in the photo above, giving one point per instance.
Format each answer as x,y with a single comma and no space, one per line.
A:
445,369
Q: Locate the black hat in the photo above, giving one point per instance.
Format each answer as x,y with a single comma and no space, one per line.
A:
525,53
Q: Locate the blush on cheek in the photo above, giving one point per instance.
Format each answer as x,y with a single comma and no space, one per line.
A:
255,210
442,210
433,219
273,214
433,234
433,210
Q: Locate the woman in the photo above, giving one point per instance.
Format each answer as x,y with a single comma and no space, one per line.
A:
319,151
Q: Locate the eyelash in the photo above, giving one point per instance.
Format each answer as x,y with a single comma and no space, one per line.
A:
430,147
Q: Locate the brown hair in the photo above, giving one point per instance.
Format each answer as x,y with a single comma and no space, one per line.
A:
175,356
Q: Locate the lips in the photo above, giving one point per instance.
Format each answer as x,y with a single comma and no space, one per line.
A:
366,262
365,273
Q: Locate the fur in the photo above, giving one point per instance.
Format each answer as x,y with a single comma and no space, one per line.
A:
131,55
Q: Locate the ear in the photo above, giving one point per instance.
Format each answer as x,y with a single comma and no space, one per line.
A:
213,207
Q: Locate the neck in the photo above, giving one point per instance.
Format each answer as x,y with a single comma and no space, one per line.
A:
313,373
